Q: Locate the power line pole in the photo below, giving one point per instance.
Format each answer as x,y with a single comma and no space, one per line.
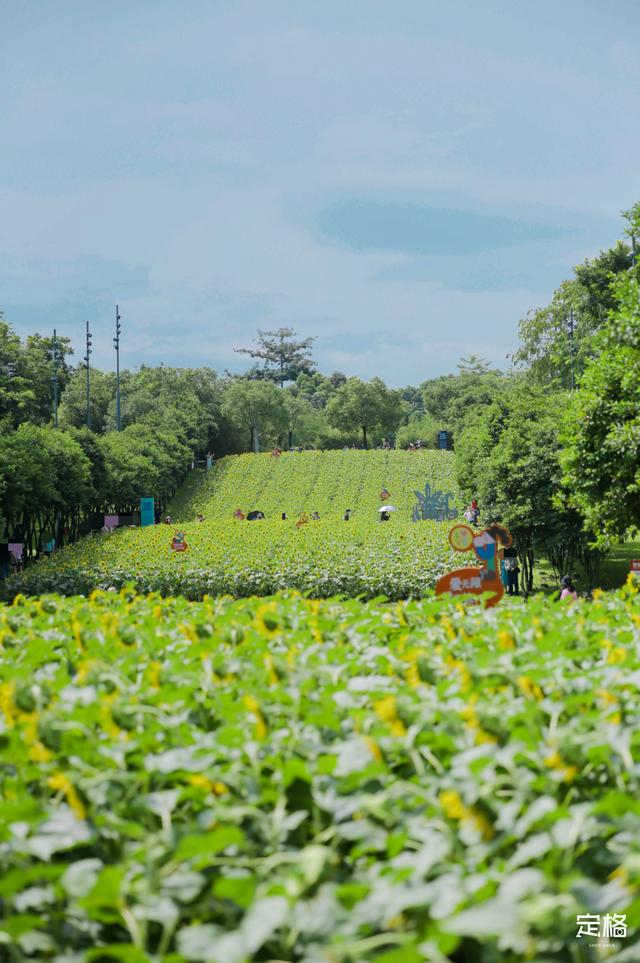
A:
116,344
86,361
54,377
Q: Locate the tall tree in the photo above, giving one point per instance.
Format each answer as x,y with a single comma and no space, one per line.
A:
602,427
316,388
453,401
283,356
509,459
367,406
558,340
26,369
73,407
258,407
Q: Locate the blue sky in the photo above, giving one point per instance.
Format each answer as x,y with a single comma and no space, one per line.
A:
404,181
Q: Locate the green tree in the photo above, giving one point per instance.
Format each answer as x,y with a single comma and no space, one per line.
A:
296,409
39,363
509,459
366,406
602,427
184,400
283,357
91,445
17,397
256,407
73,407
455,401
316,388
422,428
46,481
25,376
558,340
131,473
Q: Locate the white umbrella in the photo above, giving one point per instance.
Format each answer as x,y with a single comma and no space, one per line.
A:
387,508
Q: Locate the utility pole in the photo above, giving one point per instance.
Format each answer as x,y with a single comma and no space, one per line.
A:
572,349
86,361
54,377
116,344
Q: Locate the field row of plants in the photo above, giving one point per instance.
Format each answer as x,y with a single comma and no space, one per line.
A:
292,780
398,559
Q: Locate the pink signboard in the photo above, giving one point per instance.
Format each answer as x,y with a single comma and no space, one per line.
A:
16,549
111,521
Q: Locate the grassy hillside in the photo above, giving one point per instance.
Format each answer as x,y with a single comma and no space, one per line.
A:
323,481
398,559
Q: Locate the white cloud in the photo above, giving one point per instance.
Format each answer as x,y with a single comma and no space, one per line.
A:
195,144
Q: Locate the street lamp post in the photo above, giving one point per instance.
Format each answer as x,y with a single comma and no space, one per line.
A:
54,377
116,344
86,361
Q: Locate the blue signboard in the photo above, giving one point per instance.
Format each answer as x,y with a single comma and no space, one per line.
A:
147,511
443,440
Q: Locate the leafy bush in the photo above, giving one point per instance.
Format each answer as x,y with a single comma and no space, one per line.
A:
284,779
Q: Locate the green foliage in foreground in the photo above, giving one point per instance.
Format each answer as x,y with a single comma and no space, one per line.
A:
285,779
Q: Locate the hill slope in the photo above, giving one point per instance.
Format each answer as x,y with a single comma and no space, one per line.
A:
322,481
398,559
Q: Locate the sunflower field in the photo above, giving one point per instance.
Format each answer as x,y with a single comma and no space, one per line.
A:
225,556
282,779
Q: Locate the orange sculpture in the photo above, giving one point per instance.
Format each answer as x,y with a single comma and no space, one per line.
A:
475,580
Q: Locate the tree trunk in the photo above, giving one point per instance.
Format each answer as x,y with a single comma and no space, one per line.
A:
256,439
290,439
526,556
364,435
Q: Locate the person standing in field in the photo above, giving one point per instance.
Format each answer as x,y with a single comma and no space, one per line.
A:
567,589
5,560
512,569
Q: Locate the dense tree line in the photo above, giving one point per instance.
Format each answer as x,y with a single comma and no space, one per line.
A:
553,449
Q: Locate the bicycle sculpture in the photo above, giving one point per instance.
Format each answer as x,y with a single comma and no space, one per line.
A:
476,580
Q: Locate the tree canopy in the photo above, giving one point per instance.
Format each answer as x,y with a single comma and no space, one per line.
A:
602,425
558,340
367,406
283,356
257,407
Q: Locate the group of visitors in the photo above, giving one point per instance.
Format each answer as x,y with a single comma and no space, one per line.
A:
304,517
509,564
